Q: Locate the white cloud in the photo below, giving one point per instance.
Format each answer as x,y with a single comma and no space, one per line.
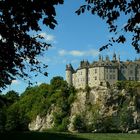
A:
93,52
77,53
15,82
62,52
50,38
47,37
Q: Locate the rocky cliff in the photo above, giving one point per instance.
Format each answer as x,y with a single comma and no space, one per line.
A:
99,109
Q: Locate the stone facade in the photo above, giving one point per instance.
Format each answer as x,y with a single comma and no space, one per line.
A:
102,72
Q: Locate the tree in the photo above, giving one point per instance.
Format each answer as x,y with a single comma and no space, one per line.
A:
2,119
58,82
12,96
110,11
19,50
16,118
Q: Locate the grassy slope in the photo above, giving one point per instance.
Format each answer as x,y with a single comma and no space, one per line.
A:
38,136
106,136
65,136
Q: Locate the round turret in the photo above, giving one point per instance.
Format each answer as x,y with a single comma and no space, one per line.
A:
69,71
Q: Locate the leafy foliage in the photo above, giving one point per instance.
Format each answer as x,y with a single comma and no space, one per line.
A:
78,123
17,119
110,11
19,50
58,82
129,85
12,96
17,112
5,102
117,116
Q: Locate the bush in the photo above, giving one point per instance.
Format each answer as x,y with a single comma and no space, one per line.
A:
63,127
79,124
2,120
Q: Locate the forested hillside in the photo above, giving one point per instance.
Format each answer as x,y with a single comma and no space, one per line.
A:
17,111
58,107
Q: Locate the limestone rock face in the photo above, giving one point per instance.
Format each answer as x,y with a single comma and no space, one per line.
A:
97,95
103,101
37,124
43,123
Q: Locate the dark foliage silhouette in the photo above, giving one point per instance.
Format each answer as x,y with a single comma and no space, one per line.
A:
19,50
110,11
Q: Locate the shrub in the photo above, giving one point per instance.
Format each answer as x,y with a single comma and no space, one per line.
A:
78,123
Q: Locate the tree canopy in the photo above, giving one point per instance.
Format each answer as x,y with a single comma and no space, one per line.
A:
17,111
18,48
110,11
62,102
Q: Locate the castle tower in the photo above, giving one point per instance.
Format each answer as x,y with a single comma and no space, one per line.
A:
119,58
107,58
114,57
69,71
100,58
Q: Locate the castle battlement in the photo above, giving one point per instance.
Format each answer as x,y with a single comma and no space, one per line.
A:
102,72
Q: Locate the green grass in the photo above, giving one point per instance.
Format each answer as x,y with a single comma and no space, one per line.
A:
66,136
38,136
106,136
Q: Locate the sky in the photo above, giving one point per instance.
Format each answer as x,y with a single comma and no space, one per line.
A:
75,38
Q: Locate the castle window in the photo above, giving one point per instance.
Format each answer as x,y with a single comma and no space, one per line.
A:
114,70
110,70
101,83
110,76
106,76
107,70
95,78
131,72
95,70
113,76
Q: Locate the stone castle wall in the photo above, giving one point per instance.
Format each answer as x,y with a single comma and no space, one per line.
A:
102,72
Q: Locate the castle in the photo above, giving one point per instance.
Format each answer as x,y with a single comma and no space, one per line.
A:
102,72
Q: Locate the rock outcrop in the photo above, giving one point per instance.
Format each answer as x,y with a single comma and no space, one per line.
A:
41,123
98,105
